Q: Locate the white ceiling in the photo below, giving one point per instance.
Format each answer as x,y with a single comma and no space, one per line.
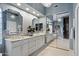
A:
31,10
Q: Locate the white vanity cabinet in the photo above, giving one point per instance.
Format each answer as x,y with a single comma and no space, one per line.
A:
14,48
32,45
40,42
24,47
35,43
49,37
17,51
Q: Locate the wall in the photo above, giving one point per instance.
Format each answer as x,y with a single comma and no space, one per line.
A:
27,18
0,30
76,25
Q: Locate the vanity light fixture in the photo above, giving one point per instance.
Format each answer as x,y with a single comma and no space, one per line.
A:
34,12
19,4
27,9
37,14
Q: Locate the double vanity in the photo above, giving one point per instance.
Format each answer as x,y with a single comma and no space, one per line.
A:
26,45
37,32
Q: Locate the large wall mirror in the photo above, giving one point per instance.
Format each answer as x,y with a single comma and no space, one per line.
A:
37,25
13,21
49,24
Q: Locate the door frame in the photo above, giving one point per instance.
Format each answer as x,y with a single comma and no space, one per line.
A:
76,30
64,14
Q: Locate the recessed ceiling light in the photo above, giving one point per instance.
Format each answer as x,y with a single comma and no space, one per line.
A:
34,12
12,16
18,4
47,4
59,20
37,14
27,9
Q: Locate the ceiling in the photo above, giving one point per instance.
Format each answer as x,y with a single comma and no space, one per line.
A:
25,7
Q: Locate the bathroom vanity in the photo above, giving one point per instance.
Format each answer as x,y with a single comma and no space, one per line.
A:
24,45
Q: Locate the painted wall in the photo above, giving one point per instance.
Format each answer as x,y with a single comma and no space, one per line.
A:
76,25
27,18
38,6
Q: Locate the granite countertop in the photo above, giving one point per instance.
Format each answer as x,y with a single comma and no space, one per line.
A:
17,38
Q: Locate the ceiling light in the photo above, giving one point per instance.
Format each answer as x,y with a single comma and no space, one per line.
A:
12,16
46,4
27,9
37,14
59,20
34,12
18,4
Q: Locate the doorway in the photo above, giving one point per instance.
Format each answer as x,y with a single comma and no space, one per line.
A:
62,39
66,27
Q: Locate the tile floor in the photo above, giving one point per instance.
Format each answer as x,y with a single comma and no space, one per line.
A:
61,50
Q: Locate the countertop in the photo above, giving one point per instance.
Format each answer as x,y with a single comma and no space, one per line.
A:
17,38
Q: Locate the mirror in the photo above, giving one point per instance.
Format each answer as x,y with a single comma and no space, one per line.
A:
49,23
13,21
37,25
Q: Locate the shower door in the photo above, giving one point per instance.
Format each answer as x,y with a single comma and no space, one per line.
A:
59,41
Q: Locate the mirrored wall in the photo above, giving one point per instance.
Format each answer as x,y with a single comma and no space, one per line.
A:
13,21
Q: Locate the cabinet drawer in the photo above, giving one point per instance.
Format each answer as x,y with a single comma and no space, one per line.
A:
25,50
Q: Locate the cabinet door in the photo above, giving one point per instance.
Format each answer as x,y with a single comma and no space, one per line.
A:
32,45
43,40
25,49
38,42
49,37
17,51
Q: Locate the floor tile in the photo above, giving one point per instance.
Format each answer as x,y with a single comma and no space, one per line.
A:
61,50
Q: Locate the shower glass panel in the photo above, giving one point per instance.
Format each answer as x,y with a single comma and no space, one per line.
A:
56,27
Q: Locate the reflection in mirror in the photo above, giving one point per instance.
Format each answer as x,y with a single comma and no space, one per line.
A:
13,21
49,22
37,25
